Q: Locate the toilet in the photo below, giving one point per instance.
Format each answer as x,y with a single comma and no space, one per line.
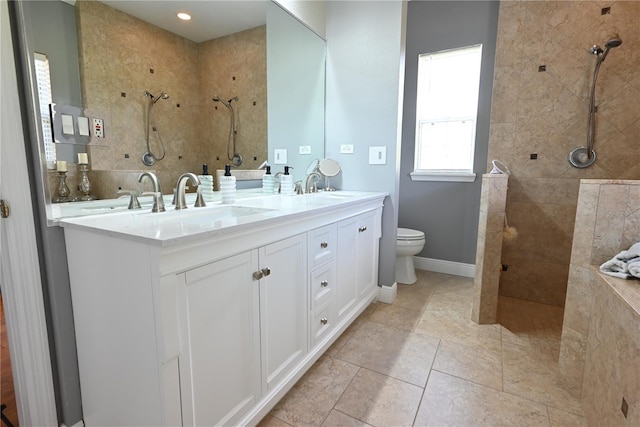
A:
409,243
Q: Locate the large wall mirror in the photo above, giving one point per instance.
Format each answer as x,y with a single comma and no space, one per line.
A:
171,88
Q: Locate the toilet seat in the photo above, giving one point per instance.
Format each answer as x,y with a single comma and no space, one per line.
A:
409,234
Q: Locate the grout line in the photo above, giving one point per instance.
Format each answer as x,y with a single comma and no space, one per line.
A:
424,389
333,408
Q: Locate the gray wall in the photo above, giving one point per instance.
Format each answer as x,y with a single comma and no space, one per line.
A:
59,43
364,60
447,212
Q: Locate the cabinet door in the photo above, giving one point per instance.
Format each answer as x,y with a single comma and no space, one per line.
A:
220,361
346,266
366,263
283,307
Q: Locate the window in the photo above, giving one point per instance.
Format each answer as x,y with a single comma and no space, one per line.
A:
44,97
446,112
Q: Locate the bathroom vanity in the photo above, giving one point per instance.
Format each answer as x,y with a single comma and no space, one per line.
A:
209,316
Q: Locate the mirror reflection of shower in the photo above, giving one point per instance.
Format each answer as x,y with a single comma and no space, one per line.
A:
236,158
149,158
583,157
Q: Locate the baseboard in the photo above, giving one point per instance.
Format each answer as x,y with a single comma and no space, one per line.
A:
388,294
78,424
446,267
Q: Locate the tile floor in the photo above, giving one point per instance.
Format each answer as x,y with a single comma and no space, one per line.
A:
423,362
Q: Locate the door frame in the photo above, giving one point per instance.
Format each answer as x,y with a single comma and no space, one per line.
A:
20,267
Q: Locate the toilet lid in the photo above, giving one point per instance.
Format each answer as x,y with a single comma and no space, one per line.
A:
409,234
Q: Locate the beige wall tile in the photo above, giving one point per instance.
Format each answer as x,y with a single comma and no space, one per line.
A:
580,290
545,113
571,362
139,57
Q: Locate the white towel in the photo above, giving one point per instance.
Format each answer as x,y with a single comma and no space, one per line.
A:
624,265
634,267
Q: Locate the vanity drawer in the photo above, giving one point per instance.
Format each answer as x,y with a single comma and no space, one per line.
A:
323,280
322,323
322,245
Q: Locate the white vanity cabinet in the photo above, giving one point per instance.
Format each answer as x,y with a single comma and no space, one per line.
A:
218,316
323,244
357,260
197,324
243,323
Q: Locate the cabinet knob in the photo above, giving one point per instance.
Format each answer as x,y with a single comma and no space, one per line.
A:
324,320
257,275
266,271
362,229
324,245
324,283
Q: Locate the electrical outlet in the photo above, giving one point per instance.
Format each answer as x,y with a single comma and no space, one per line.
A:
304,149
346,149
280,156
98,128
377,155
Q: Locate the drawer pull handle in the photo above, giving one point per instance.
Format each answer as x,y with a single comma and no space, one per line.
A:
324,245
324,320
324,283
362,229
266,271
257,275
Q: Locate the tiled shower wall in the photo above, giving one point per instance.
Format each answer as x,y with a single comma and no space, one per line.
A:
542,76
122,56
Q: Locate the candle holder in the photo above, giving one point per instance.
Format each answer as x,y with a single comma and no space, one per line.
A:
63,189
85,185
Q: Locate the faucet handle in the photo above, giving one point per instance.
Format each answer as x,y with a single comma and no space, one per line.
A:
298,187
133,201
158,201
199,199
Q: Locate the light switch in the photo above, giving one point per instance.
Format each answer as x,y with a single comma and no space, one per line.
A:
83,126
67,124
280,156
378,155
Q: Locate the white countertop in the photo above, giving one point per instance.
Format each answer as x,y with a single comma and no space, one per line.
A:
177,227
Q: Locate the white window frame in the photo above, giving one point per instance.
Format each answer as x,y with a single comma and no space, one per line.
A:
43,76
420,173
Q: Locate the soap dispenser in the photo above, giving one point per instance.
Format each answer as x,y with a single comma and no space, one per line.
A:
286,183
228,186
206,183
267,181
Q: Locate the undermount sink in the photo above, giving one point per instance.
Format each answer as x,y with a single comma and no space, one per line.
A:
216,214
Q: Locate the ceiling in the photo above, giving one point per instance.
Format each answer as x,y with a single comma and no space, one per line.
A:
210,18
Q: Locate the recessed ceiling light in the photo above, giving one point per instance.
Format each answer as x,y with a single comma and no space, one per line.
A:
184,16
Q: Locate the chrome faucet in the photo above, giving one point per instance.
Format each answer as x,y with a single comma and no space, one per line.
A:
311,186
158,202
181,202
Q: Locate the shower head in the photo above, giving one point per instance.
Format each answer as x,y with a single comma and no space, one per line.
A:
154,99
614,41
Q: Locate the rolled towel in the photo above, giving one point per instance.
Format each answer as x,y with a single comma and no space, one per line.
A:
633,265
615,267
632,252
618,266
